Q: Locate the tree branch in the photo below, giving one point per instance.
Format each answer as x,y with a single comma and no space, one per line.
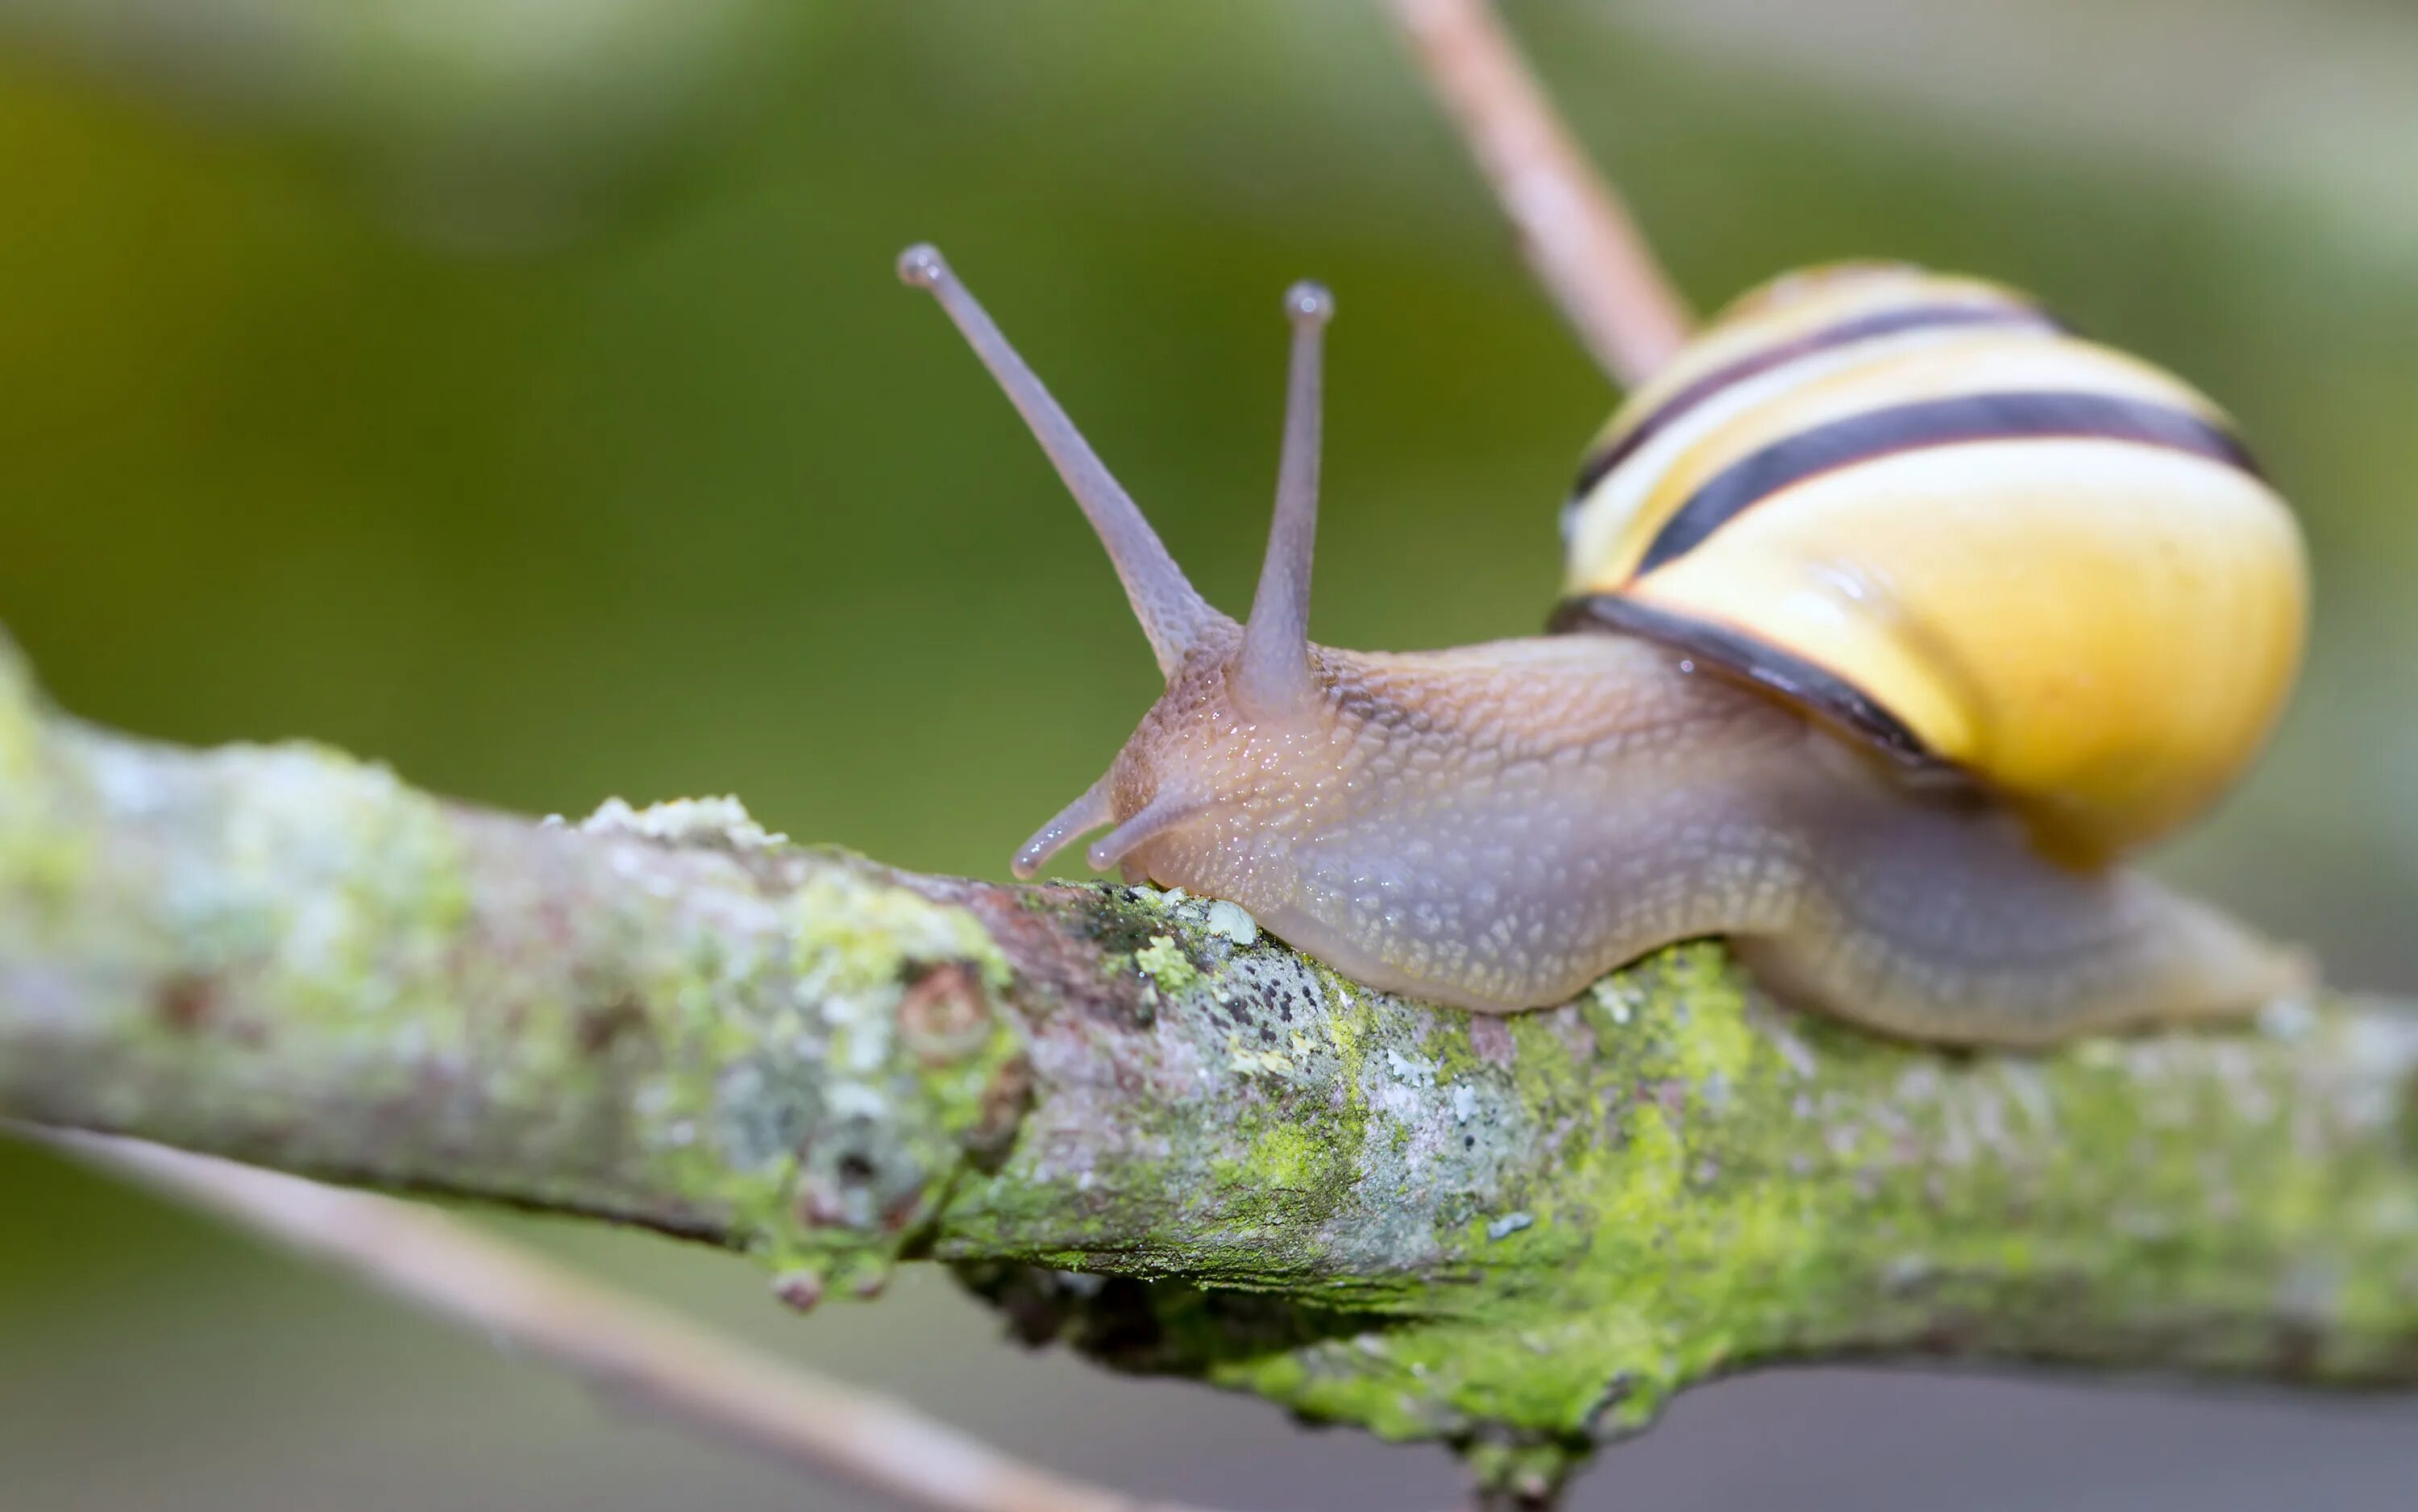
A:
1520,1235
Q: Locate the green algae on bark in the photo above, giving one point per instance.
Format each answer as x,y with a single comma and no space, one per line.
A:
1143,1125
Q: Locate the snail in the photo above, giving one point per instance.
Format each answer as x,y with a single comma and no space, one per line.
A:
1897,615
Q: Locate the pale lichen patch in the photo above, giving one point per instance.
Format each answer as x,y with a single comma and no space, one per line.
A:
1231,920
367,940
1254,1061
684,821
1169,969
854,932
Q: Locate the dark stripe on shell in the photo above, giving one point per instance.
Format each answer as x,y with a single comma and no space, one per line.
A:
1825,693
1967,418
1754,365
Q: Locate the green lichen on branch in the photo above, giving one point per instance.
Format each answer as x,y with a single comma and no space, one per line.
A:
662,1016
1523,1234
1145,1127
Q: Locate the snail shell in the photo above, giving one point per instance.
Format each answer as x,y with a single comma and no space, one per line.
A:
1922,509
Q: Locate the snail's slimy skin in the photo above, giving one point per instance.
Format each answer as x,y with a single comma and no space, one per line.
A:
1495,826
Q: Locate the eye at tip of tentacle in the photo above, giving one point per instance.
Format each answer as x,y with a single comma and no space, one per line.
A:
921,265
1306,302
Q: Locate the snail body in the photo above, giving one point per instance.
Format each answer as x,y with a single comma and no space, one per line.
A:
1495,826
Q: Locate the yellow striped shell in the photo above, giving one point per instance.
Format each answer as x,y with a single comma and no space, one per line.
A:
1917,505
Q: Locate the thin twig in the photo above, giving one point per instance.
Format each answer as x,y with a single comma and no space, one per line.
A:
1579,237
628,1348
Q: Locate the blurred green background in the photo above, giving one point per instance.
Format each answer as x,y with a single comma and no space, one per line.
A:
517,390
